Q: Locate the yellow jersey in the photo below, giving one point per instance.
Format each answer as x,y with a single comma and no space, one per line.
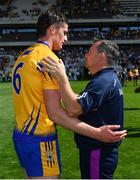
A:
28,83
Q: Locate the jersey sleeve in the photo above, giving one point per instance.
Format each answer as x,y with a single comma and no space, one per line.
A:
35,56
49,82
92,97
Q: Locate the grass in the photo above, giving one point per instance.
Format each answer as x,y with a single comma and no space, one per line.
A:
129,154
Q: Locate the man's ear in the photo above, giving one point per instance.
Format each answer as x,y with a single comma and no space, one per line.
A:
52,29
103,57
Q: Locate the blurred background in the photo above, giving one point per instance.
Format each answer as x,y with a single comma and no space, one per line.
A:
117,20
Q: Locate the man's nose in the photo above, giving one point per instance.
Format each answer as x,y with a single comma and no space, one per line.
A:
86,56
66,38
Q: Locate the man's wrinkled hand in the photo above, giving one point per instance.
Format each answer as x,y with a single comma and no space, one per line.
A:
108,134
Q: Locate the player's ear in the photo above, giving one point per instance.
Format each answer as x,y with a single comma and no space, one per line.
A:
102,55
52,29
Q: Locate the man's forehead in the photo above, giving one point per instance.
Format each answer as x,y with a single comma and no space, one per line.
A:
64,25
64,28
95,45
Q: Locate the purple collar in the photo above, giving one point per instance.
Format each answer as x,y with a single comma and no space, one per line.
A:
42,42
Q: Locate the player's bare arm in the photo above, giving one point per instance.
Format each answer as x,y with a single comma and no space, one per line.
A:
60,117
68,96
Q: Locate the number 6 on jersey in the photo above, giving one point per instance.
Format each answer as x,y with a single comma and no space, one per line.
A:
17,78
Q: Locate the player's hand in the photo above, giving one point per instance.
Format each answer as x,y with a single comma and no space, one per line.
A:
56,69
108,134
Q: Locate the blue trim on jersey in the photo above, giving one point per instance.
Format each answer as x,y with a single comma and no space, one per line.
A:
40,65
36,122
42,42
40,70
26,52
24,125
22,137
28,125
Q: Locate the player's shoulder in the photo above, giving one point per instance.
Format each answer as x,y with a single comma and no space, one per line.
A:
27,58
45,51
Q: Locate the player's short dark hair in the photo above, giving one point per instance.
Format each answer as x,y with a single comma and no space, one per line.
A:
48,18
111,50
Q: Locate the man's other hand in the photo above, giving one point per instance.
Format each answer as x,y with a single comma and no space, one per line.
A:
107,134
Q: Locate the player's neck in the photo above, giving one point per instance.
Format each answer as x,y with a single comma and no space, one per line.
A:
47,40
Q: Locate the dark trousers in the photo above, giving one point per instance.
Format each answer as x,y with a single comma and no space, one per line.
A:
98,163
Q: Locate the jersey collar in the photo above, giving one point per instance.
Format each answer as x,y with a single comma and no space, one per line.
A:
43,42
103,70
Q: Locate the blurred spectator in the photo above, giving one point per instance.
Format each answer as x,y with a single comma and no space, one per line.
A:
135,76
130,75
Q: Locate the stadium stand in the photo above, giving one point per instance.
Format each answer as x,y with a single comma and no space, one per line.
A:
117,20
128,7
20,9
